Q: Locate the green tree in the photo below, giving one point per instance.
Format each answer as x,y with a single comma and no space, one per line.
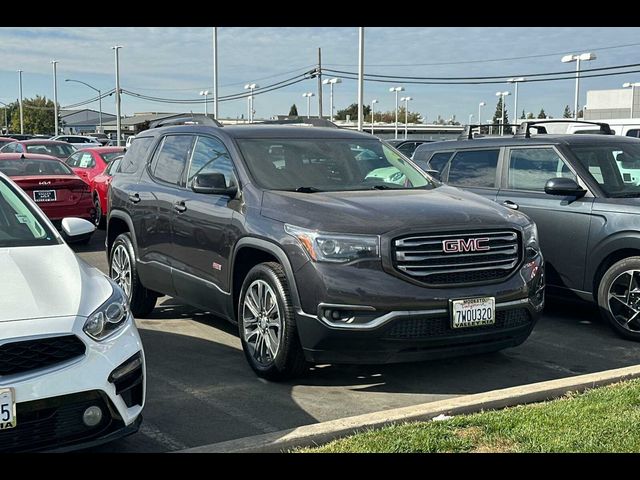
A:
567,112
293,111
38,116
542,114
523,116
390,116
352,111
497,117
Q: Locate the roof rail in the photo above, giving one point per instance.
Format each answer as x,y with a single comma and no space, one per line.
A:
185,119
524,127
315,122
467,134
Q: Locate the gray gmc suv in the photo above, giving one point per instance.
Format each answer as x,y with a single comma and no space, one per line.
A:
323,245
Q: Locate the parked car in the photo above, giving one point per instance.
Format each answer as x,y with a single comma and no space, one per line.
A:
58,191
581,190
102,138
406,147
89,162
72,366
312,254
100,188
52,148
78,141
18,136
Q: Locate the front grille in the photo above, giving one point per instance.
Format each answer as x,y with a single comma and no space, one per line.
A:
423,258
418,328
22,356
54,422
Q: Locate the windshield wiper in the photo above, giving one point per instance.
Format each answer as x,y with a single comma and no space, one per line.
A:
308,190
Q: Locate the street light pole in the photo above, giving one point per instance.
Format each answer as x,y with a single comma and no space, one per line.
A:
21,113
515,94
215,73
633,94
93,88
502,95
251,87
360,77
480,105
396,90
205,93
308,95
331,82
406,114
118,119
577,58
55,96
373,102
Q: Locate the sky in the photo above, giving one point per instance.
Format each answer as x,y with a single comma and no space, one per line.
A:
177,63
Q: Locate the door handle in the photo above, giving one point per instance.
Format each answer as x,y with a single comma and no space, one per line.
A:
510,204
135,198
180,207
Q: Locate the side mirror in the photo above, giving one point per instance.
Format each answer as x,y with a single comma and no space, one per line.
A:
564,187
213,184
75,229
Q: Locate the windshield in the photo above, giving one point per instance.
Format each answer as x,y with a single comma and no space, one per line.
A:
59,150
19,226
30,166
107,157
616,167
312,165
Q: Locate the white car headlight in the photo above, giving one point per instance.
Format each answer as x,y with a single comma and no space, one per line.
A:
531,245
335,248
109,317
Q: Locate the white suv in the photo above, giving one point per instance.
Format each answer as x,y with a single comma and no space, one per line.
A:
78,141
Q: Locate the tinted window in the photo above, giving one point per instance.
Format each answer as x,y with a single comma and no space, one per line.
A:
107,157
59,150
634,133
113,166
29,166
209,156
168,163
74,160
136,154
9,148
531,168
407,148
439,160
474,168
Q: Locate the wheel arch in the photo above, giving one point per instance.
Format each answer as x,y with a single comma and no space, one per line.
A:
119,222
612,250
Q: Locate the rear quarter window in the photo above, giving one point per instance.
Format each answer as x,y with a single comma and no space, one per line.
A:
136,155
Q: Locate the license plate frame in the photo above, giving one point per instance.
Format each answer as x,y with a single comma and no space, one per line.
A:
44,196
8,417
476,314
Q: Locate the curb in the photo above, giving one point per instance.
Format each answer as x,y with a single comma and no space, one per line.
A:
320,433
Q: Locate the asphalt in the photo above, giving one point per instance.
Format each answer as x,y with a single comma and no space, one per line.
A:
200,389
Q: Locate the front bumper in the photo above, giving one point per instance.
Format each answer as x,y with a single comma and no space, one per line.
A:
51,400
397,321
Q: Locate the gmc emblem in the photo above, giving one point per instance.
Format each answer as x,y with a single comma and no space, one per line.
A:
469,245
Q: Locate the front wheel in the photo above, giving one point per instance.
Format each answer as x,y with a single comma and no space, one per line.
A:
619,297
267,324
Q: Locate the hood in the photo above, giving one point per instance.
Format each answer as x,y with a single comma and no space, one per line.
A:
48,281
380,211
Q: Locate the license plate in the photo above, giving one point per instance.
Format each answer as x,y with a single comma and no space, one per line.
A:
44,195
473,312
7,409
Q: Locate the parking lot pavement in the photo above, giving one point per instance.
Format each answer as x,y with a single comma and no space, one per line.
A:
200,389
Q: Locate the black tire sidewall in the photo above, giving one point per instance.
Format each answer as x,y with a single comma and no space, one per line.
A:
98,217
630,263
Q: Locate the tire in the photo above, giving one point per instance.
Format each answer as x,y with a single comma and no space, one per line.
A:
123,270
619,297
98,219
288,360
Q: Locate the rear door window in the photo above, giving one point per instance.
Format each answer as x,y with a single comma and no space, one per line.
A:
474,168
169,161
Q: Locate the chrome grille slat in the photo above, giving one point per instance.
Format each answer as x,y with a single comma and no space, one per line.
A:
422,257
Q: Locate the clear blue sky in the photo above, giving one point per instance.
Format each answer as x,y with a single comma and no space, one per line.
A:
177,63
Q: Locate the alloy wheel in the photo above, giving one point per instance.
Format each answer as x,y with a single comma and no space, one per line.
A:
624,300
121,269
262,322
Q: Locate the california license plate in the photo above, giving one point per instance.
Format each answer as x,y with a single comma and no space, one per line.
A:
7,408
44,195
473,312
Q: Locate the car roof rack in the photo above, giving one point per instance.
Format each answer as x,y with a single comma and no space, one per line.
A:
467,134
525,126
185,119
311,122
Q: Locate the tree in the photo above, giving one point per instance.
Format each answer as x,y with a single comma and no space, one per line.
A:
530,116
352,111
567,112
523,115
38,116
497,117
390,116
542,114
293,111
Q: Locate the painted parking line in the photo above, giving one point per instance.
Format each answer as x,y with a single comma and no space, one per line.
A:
151,431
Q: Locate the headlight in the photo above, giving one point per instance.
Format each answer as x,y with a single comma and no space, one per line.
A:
531,245
335,248
109,317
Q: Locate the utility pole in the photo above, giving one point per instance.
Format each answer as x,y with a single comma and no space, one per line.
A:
118,119
55,96
319,82
20,88
360,77
215,72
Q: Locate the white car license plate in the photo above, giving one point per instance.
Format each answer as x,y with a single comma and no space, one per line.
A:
7,408
473,312
44,195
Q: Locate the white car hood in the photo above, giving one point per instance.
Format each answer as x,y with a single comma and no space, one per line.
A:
48,281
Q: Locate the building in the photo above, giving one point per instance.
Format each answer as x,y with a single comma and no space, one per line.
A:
83,121
610,104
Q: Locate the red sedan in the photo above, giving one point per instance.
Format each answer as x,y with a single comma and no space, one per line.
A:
56,189
100,187
91,161
52,148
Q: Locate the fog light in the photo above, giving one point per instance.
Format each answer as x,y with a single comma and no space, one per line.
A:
92,416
